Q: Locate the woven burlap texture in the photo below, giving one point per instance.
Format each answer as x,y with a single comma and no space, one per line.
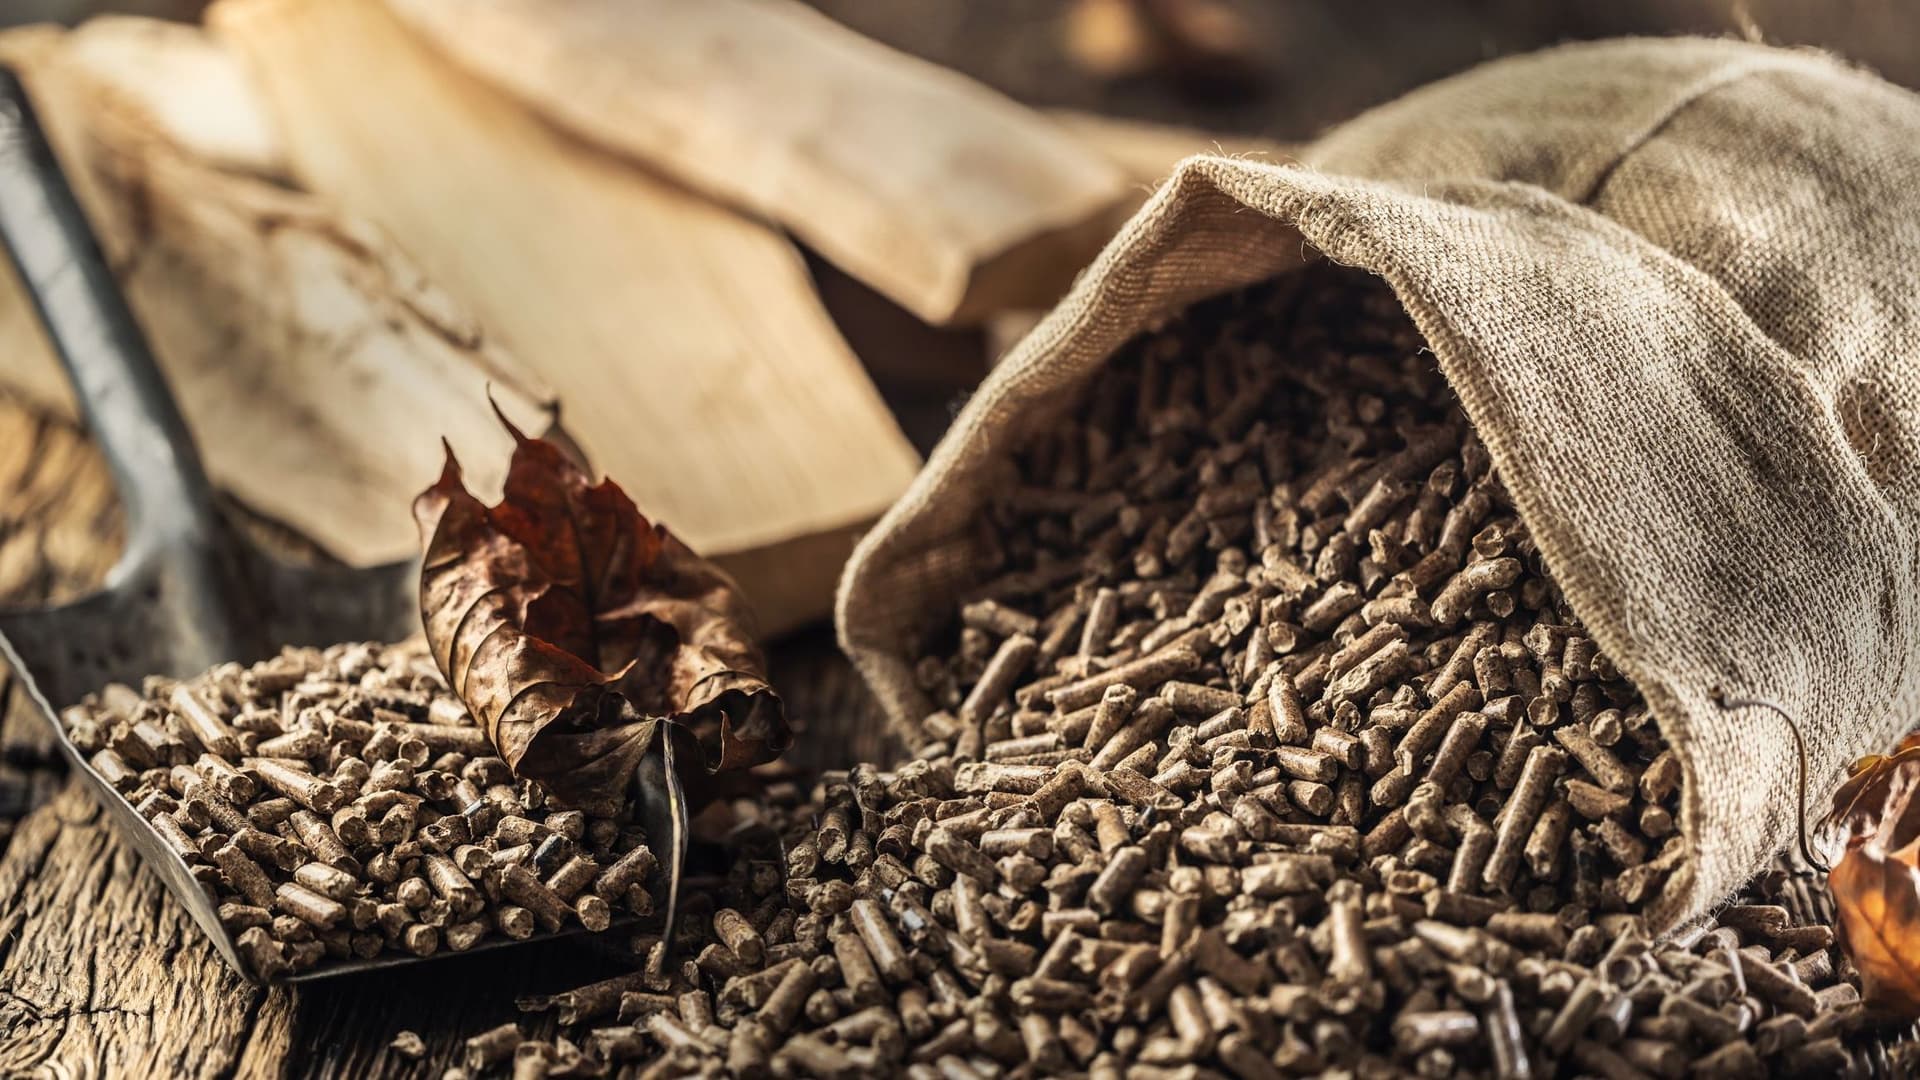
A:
1676,284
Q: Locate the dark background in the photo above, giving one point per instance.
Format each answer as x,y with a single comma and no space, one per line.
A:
1320,62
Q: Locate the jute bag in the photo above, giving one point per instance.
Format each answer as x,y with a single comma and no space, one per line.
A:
1676,284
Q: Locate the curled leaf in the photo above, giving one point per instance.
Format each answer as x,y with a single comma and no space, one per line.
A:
1876,889
1861,801
573,628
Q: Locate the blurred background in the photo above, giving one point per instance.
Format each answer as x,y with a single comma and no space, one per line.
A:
1318,62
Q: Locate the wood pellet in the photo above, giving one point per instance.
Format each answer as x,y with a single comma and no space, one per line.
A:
340,804
1266,747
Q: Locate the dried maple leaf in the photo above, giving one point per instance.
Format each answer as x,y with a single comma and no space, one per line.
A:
1876,889
573,628
1876,884
1859,803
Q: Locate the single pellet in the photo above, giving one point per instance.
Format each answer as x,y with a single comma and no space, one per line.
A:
1351,960
1548,837
1599,761
995,687
302,787
319,840
1286,712
1769,982
1523,807
1462,736
328,881
244,875
1415,1033
783,1005
206,725
1117,879
1476,579
519,885
876,932
629,869
1470,860
309,906
1103,616
1147,671
493,1046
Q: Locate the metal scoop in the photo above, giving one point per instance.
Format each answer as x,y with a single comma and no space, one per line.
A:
189,592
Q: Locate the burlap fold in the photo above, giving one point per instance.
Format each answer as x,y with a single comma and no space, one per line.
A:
1676,284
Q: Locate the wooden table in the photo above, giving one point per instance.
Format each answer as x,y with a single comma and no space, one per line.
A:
102,973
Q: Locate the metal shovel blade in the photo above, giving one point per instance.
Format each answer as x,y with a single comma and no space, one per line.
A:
189,592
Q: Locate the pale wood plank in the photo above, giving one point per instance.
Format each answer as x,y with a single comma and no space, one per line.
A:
190,89
694,362
941,194
317,367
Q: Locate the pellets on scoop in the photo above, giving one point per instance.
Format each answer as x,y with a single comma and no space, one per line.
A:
340,804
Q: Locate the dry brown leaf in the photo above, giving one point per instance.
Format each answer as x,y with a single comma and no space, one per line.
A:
1876,889
572,628
1860,802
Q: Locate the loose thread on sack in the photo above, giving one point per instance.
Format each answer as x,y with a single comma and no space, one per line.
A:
1728,704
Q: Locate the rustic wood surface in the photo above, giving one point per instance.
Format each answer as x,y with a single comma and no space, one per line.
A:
103,974
59,532
943,195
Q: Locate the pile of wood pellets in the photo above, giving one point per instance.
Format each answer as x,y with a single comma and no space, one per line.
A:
340,804
1267,747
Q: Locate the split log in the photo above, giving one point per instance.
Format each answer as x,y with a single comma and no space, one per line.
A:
946,197
696,364
188,89
60,527
27,363
318,368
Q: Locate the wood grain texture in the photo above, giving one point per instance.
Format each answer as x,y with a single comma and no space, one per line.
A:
316,365
28,367
192,91
948,198
695,364
103,974
60,530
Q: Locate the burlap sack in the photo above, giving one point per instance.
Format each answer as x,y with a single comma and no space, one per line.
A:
1676,284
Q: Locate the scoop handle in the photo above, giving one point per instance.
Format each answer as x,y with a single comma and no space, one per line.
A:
122,394
179,554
